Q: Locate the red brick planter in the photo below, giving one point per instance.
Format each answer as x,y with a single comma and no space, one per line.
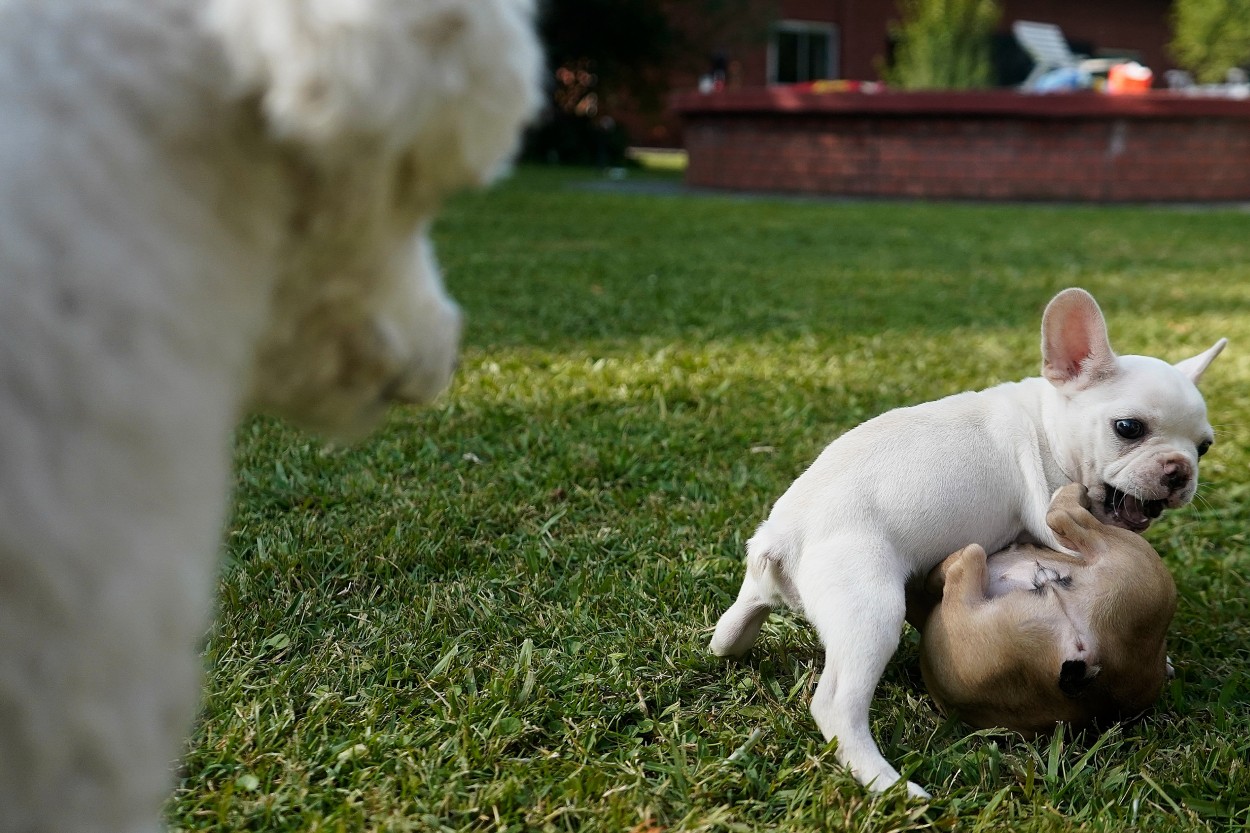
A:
995,145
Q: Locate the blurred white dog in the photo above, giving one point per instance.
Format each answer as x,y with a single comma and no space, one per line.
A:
206,206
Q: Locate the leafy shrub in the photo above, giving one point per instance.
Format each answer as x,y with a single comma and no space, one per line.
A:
1210,37
943,44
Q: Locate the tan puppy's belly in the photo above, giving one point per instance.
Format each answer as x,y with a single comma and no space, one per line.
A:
1029,637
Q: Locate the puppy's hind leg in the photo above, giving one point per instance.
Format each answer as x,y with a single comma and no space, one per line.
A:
853,594
738,627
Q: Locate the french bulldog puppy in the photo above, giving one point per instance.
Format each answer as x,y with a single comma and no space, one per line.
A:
894,496
1030,637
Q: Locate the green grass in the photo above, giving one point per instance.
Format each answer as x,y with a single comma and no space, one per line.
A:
492,615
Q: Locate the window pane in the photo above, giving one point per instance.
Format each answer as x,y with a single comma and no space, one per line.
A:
802,52
818,56
787,58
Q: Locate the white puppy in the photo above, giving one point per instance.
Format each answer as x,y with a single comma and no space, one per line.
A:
206,206
892,497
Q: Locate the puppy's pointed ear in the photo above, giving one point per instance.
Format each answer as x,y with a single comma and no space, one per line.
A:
1075,348
1195,366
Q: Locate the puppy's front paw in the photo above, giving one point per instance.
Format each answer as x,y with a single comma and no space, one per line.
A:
916,791
885,777
1072,495
1073,525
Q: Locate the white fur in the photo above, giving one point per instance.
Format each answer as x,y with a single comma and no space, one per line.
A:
894,496
206,206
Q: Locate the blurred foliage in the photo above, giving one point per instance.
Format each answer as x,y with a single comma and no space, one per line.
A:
943,44
1211,37
603,55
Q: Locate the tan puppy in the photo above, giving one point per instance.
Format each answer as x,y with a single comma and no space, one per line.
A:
1030,637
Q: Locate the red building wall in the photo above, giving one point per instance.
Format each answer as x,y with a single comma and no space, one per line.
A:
865,32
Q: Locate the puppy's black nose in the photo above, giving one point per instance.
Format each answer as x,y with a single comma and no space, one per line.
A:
1175,476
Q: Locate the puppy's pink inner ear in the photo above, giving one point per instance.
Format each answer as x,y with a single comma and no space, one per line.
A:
1063,363
1075,347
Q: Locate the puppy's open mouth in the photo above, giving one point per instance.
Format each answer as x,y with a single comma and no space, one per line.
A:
1130,512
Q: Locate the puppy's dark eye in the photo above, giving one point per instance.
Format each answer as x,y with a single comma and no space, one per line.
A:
1130,429
1204,447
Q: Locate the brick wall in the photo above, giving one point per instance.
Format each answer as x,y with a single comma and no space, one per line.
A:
982,145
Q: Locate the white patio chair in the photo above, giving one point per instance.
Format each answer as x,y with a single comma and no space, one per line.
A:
1046,45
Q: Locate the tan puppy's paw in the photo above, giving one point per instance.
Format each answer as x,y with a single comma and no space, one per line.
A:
1071,520
954,569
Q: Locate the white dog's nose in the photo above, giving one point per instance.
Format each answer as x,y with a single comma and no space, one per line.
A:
1176,475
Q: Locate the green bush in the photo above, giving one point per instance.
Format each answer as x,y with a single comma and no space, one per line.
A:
943,44
1211,36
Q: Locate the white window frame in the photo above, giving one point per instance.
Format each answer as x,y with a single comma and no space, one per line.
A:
804,27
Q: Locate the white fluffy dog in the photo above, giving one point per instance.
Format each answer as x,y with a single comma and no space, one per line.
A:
206,206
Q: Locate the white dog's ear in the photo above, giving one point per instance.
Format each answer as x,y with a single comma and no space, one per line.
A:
454,78
1075,347
1195,366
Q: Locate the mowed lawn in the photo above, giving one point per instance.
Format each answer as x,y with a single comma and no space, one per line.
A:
493,614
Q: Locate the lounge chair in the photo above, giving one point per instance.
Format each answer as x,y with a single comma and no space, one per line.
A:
1046,45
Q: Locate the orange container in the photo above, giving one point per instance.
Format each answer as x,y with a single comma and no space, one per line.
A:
1129,79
